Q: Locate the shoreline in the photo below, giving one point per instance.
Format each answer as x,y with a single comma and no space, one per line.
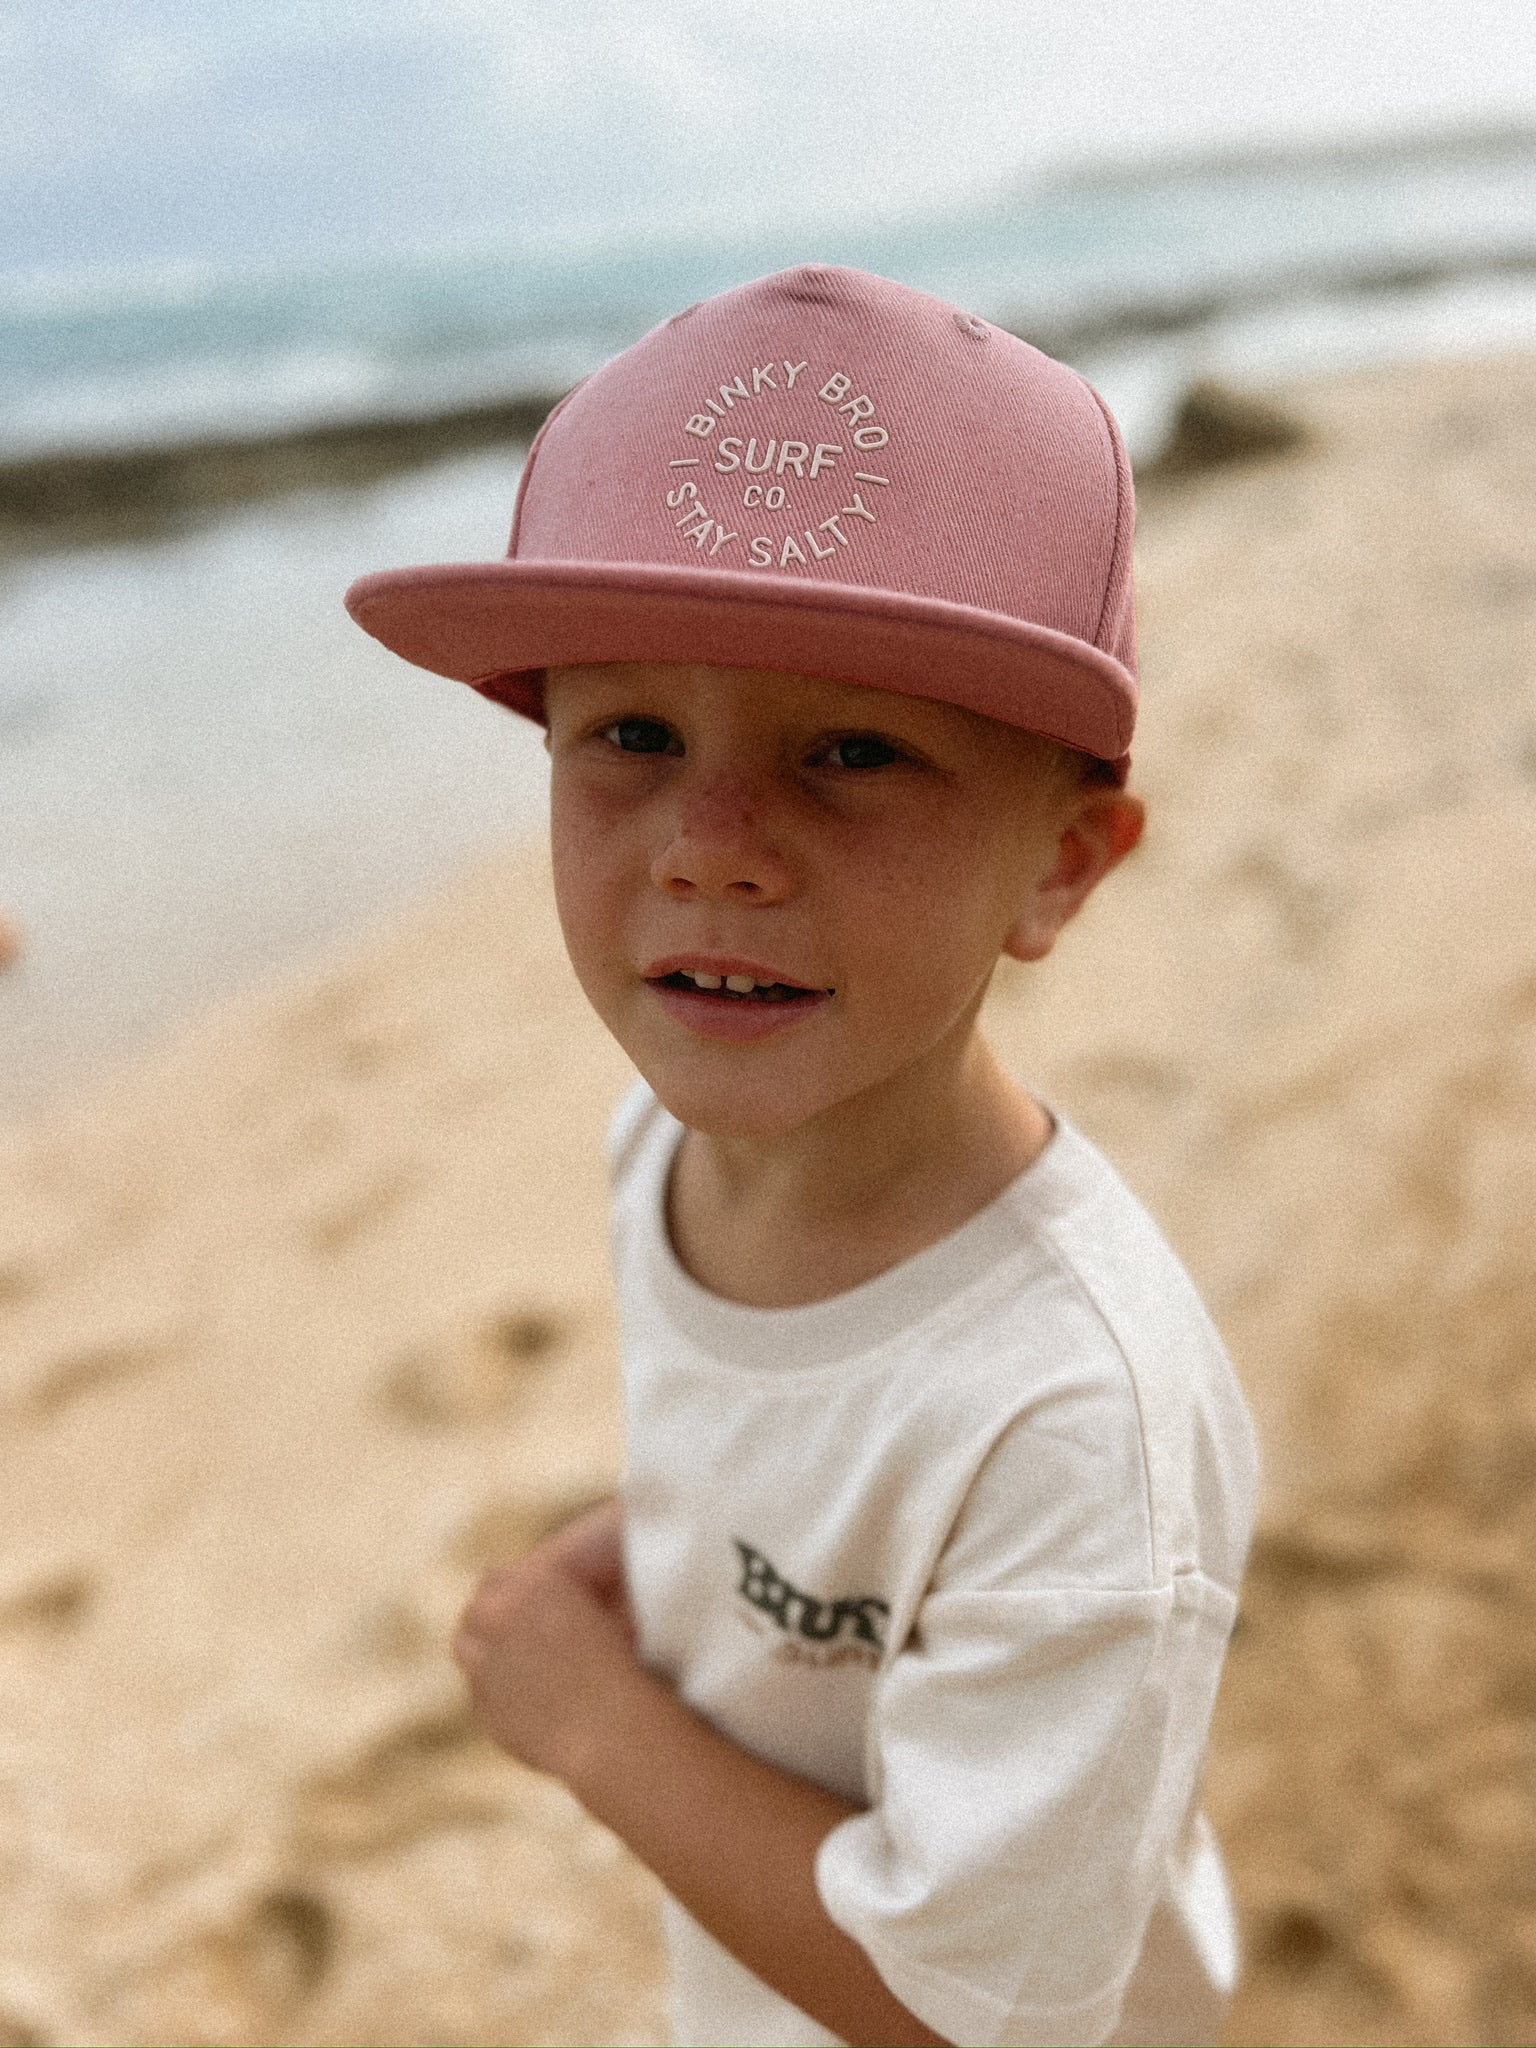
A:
66,497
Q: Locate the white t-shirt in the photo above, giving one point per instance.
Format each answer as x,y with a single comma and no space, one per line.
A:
963,1545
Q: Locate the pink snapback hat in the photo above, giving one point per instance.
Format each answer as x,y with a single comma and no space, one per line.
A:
824,473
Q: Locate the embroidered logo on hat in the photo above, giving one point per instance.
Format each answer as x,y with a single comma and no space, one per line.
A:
774,472
824,473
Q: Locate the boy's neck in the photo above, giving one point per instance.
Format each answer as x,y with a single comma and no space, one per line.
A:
781,1222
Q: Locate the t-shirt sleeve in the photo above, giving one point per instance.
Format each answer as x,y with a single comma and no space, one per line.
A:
1036,1753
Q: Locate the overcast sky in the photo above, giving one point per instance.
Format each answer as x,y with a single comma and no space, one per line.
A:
162,129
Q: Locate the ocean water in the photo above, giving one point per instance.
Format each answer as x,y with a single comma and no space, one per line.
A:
206,770
1091,267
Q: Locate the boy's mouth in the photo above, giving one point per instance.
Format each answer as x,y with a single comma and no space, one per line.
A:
740,1001
735,988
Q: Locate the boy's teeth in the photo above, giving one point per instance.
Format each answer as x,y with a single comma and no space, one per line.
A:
732,984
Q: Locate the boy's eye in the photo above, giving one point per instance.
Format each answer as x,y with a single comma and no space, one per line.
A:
862,750
640,736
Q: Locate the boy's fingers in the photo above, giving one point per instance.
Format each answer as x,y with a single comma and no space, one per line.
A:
591,1548
596,1532
588,1549
508,1595
487,1615
490,1600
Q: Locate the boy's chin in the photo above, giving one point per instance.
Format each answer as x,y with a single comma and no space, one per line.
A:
753,1108
724,1113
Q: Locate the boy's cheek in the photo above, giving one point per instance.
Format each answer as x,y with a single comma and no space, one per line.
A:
619,998
600,981
590,899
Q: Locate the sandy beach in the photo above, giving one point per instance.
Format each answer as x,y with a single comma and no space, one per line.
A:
305,1316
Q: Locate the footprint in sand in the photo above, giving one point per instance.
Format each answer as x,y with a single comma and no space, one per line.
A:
426,1776
356,1201
343,1022
394,1633
1294,1939
1301,909
55,1376
38,1245
286,1942
51,1601
56,1228
476,1374
264,1962
1123,1070
368,1047
19,2031
22,1275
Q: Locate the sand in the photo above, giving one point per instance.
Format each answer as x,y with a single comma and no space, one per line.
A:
305,1317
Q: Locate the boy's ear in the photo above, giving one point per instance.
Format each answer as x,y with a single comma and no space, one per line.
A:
1097,833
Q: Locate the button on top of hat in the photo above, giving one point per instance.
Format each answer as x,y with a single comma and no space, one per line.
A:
969,324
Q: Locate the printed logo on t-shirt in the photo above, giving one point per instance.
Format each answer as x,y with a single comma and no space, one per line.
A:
812,1631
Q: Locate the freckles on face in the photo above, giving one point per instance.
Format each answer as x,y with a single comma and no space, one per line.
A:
718,830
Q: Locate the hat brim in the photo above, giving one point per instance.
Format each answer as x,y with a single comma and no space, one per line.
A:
498,625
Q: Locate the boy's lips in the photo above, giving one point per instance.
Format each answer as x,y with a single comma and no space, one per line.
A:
723,996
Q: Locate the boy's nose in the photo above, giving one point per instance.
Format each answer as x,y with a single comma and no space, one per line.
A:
719,848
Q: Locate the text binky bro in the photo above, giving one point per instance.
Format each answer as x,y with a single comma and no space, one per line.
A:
774,472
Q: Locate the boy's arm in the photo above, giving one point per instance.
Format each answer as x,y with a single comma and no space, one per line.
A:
549,1653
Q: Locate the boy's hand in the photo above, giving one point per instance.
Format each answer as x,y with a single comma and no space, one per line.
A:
549,1650
546,1642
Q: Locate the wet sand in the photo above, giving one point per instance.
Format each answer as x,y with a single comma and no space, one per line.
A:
306,1316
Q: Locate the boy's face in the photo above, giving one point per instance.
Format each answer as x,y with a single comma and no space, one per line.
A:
867,855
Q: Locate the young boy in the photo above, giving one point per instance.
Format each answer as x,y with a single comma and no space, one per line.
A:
896,1660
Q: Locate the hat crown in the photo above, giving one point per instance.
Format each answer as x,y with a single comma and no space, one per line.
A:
824,425
824,473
